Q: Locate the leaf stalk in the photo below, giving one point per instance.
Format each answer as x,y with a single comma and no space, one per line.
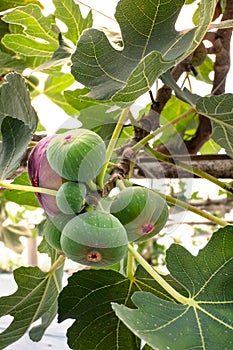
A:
176,295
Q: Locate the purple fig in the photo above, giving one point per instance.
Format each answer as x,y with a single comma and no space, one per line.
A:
42,175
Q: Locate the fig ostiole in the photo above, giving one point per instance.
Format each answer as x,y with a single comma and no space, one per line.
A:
70,197
42,175
94,238
77,155
142,212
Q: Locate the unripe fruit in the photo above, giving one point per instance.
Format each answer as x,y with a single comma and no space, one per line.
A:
77,155
52,235
42,175
70,197
142,212
52,230
94,239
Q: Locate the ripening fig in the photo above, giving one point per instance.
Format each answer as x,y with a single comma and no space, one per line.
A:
70,197
42,175
77,155
142,212
94,238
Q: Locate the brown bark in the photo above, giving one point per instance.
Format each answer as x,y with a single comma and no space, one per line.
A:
219,166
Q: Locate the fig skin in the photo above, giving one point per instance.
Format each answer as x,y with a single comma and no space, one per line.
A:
94,238
70,197
52,235
142,212
42,175
52,230
77,155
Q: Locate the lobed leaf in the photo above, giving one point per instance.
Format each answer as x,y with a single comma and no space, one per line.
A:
205,320
70,14
7,4
87,299
36,298
38,38
156,44
220,110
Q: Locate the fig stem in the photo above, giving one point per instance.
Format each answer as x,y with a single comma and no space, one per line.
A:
188,168
158,278
195,210
130,265
92,185
111,146
120,184
158,131
24,188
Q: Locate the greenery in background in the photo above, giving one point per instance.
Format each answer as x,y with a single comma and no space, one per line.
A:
120,306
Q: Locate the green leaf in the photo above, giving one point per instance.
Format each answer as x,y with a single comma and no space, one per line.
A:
15,137
148,50
7,4
35,299
205,322
204,71
147,347
69,13
10,236
60,57
220,110
94,117
100,119
87,299
9,62
184,95
15,101
80,100
54,86
18,120
173,108
210,147
20,197
39,37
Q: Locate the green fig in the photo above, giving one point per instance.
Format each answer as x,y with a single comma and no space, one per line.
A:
70,197
52,235
77,155
94,238
142,212
53,228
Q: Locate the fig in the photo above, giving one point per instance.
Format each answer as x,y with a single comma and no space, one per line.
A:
70,197
42,175
142,212
77,155
94,238
53,228
52,235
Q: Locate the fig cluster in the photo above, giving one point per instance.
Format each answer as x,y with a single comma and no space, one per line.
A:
92,235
